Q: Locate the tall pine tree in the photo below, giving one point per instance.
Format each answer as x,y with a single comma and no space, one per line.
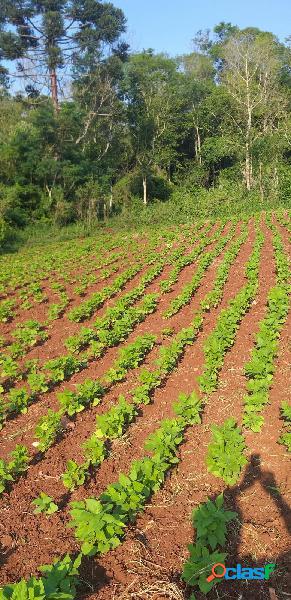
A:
41,37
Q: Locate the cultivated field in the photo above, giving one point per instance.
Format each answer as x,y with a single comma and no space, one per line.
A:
142,374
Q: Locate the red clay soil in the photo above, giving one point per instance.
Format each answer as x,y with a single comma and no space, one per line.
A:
18,428
74,271
70,446
21,428
152,556
69,267
61,328
39,311
148,563
17,506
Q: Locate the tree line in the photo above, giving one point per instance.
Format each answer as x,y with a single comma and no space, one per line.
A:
87,127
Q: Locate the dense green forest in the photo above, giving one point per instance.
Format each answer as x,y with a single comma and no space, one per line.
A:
91,132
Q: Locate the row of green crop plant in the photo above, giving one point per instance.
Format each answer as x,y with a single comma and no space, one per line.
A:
184,260
226,452
55,311
210,520
87,308
100,523
88,393
284,220
19,271
113,327
112,424
213,298
60,369
121,415
7,310
10,369
190,288
259,370
15,466
115,421
26,335
30,268
285,437
58,582
223,336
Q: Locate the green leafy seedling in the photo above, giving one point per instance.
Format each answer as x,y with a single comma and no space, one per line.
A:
44,504
210,520
199,565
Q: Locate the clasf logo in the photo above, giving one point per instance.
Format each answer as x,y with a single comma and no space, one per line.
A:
219,571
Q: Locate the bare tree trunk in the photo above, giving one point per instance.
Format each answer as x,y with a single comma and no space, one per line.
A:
248,159
276,178
111,199
49,191
144,184
248,167
54,89
198,145
90,211
261,181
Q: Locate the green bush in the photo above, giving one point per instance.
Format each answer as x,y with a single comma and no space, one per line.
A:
20,202
128,191
3,231
157,187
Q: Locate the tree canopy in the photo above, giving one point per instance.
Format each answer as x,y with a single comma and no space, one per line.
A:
95,126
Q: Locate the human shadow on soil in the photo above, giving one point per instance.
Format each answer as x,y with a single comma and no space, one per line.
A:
94,577
255,589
